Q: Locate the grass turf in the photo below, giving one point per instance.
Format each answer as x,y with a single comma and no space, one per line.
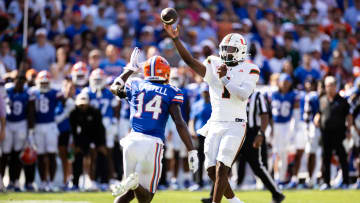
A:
304,196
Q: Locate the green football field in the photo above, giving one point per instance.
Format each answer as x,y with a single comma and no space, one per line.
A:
304,196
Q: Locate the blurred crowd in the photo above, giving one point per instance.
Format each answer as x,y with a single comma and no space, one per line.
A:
69,41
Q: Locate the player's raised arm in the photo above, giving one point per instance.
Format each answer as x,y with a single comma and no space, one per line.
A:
193,63
184,134
133,66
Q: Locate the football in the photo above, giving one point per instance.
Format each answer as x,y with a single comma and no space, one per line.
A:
169,16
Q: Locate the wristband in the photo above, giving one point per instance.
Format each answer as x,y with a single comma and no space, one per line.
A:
175,38
119,80
224,80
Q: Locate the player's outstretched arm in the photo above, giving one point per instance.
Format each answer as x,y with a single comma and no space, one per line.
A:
193,63
181,126
133,66
184,133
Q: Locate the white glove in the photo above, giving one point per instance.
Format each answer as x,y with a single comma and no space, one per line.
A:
134,60
193,160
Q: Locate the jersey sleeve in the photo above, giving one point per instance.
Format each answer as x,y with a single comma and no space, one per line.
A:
130,86
209,76
178,96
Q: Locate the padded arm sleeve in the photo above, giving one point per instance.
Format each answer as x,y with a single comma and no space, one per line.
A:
241,91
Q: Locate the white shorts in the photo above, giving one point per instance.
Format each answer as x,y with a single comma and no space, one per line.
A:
223,142
15,136
46,138
301,136
281,137
313,139
124,127
143,154
111,131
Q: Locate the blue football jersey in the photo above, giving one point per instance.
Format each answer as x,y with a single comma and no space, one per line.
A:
149,105
184,111
104,101
282,106
46,104
64,126
16,104
125,110
309,106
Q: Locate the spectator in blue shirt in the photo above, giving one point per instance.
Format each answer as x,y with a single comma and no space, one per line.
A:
200,114
306,71
41,53
352,13
77,27
112,65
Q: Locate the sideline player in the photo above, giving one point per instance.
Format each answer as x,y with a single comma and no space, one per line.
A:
231,80
151,101
283,103
20,110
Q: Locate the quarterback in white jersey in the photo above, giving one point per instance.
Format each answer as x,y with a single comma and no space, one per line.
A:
231,80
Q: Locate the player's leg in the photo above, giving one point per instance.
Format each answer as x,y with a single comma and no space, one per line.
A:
6,146
256,164
102,160
342,155
51,141
230,144
280,148
187,176
300,143
63,154
40,143
326,156
311,148
125,198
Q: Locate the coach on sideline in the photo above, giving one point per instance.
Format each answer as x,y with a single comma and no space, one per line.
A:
335,121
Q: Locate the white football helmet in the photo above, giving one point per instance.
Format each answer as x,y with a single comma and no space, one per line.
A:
42,81
97,79
79,74
233,48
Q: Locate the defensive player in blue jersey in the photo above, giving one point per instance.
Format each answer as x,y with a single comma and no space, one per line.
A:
151,101
19,111
46,130
306,136
109,106
283,103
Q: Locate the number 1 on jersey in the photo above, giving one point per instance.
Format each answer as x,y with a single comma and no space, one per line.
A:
226,93
154,106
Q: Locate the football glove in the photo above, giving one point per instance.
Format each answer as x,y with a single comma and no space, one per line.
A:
134,60
193,160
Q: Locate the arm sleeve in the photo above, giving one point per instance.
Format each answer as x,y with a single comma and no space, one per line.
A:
178,97
209,77
262,104
245,88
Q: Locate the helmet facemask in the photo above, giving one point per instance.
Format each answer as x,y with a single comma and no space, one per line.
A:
228,55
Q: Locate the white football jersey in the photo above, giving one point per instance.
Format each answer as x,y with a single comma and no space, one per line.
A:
227,107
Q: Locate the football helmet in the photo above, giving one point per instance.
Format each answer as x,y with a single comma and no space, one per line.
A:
97,80
233,48
157,68
80,73
42,81
28,156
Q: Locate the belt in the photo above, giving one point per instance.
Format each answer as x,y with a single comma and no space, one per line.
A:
240,120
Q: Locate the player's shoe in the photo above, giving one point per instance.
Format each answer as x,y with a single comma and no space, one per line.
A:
291,185
278,199
206,200
325,187
195,187
130,183
29,187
